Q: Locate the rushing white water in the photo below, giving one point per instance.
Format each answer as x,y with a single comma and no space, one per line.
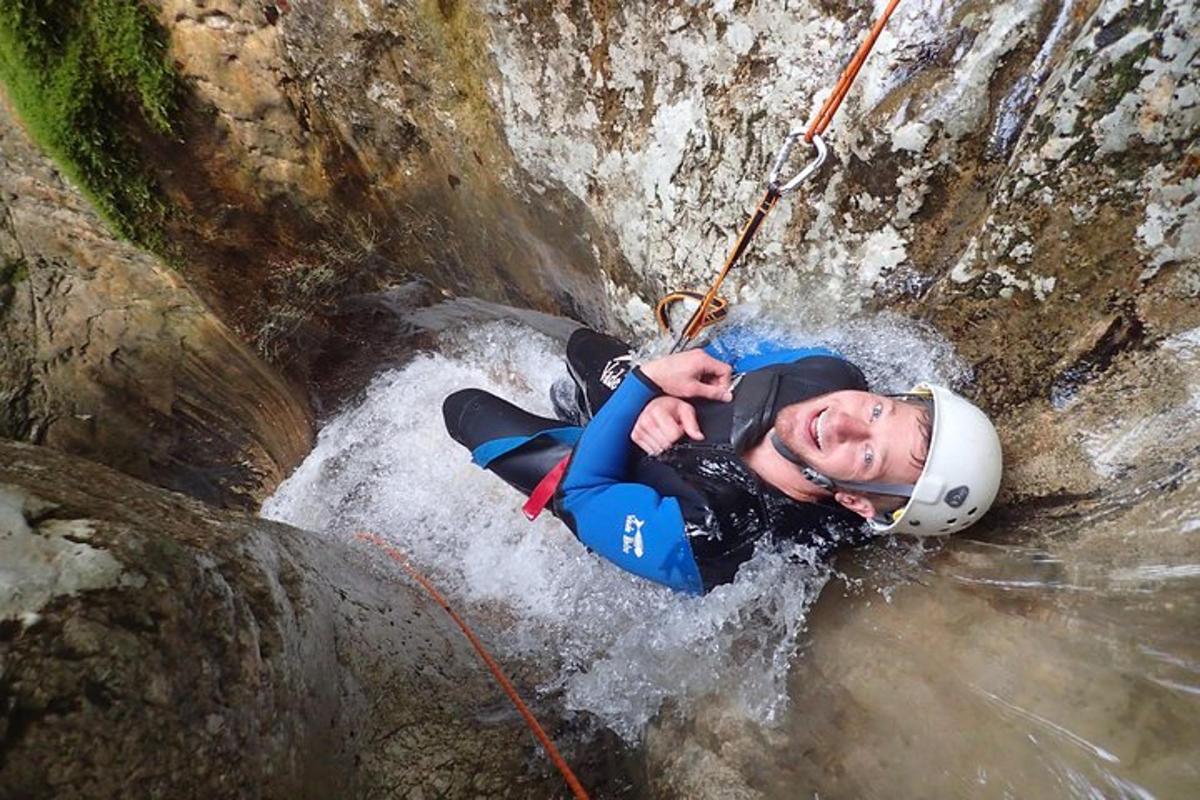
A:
618,647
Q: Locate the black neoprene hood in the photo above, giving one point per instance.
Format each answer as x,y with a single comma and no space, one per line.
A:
760,395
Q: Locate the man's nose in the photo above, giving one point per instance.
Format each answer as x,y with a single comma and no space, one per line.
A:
847,428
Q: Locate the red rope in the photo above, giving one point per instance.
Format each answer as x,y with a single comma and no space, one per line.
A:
701,317
505,684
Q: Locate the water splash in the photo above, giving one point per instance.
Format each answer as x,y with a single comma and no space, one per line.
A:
621,647
893,351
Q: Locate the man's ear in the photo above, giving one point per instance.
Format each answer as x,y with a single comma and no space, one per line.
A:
857,503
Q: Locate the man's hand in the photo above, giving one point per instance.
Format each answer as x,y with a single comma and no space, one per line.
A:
663,422
692,373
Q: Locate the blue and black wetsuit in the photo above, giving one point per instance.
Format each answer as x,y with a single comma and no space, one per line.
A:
689,517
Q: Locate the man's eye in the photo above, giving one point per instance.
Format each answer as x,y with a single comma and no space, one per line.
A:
868,458
877,411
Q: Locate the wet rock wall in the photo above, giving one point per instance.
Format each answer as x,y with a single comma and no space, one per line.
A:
153,646
109,354
1017,173
366,127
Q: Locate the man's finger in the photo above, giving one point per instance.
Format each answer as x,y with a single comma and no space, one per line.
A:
656,435
722,370
707,362
712,391
715,367
659,430
724,379
670,434
687,418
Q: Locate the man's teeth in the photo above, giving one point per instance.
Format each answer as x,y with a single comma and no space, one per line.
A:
817,427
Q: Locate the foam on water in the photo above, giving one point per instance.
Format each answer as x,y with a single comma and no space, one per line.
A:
620,647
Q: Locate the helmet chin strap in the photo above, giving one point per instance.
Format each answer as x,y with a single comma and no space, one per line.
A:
829,484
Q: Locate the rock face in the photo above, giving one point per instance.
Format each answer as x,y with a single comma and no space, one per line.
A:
108,354
232,657
361,136
1021,174
298,184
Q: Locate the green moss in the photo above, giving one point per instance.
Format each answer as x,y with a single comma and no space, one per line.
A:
1150,13
1125,74
76,70
1042,127
13,272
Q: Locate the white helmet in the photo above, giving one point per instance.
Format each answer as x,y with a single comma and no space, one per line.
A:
961,474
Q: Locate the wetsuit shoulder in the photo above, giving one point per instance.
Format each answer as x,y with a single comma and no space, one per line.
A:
745,352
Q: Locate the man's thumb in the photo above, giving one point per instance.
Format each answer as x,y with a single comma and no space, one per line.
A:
687,416
714,392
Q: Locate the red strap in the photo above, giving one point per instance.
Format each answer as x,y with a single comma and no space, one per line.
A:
539,498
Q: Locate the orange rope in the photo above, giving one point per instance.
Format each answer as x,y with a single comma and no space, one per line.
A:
573,782
818,126
834,100
697,321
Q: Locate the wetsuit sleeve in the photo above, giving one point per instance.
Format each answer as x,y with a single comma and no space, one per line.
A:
746,353
627,523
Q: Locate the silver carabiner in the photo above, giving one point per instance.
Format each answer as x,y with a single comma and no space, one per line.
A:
781,160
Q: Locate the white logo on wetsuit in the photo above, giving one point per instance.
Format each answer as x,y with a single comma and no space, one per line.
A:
633,525
615,370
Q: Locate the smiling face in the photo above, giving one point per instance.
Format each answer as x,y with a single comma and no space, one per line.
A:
857,436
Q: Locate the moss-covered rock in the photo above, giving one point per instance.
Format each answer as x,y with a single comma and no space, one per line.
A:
12,272
80,75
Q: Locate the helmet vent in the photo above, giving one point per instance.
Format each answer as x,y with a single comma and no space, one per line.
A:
914,523
972,511
952,520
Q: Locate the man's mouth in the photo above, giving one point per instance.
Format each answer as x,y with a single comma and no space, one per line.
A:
815,425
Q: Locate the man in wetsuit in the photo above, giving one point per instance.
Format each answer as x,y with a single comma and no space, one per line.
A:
687,462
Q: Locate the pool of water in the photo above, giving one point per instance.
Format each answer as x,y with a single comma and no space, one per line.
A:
1038,663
